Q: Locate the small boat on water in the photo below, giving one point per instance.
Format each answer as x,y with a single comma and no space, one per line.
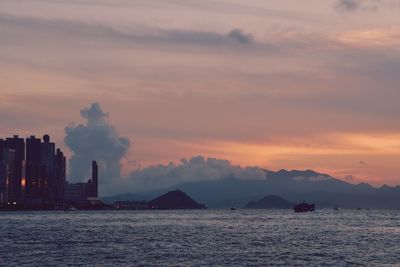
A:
304,207
336,208
233,208
70,208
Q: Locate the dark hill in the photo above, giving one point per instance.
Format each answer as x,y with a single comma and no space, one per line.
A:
270,202
174,200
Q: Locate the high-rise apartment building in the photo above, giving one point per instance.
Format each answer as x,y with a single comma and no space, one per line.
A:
32,173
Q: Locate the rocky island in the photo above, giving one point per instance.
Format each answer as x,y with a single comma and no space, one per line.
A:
270,202
174,200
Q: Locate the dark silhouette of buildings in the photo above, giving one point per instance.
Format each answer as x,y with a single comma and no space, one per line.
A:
93,183
59,181
33,175
79,192
12,180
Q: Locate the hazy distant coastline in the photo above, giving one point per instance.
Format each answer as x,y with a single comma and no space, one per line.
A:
294,186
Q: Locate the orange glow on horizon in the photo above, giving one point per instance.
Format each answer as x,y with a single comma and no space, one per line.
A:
353,157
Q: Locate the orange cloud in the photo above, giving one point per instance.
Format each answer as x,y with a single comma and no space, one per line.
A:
371,37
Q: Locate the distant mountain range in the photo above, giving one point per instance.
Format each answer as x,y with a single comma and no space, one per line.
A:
295,186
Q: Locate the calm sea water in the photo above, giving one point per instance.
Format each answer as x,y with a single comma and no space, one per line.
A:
198,238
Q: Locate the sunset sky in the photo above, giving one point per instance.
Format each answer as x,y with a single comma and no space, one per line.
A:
310,84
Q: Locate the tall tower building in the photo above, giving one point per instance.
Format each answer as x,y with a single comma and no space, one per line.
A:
33,174
1,149
59,178
33,149
47,152
17,145
6,174
95,178
2,173
7,168
88,191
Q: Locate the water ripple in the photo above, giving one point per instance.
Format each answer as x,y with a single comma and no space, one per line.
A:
198,238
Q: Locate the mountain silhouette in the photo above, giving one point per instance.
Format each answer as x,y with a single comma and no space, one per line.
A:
270,202
295,186
174,200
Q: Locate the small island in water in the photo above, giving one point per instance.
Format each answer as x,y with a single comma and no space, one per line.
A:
270,202
173,200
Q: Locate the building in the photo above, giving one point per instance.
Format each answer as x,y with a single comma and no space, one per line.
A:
3,172
6,175
59,181
75,192
33,176
81,192
35,172
1,149
92,185
13,160
32,172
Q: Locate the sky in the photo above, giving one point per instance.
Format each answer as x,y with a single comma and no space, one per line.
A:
277,84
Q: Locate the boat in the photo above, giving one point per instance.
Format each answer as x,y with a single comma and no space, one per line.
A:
304,207
336,208
70,208
233,208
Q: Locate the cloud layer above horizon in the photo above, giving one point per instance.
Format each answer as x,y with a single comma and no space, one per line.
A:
264,83
196,168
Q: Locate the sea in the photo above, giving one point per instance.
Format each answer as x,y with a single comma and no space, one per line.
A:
200,238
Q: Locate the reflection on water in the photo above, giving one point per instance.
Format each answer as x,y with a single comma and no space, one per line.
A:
206,237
